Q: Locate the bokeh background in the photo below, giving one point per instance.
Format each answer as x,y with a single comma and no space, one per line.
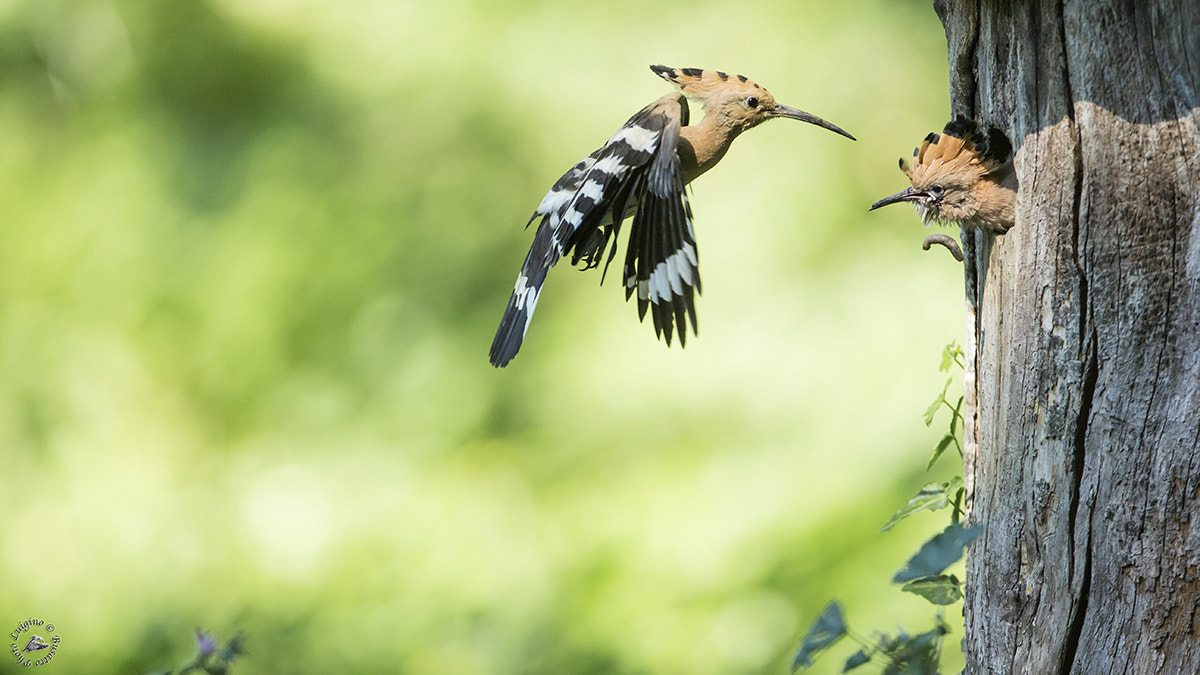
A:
252,254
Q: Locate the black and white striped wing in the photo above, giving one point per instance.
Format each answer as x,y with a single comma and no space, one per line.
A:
584,209
661,260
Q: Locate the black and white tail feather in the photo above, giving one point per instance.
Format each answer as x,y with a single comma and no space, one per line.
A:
636,173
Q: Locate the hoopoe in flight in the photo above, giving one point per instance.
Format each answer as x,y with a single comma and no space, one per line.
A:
641,172
965,175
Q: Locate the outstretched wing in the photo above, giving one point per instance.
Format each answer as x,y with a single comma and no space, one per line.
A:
661,263
631,173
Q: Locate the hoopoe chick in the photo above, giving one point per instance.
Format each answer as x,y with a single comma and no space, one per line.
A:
965,175
640,173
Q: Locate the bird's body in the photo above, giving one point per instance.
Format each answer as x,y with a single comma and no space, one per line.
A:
964,175
640,173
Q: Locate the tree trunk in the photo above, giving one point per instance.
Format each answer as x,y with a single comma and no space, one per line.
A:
1084,447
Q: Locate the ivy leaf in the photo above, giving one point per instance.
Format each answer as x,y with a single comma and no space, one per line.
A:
925,645
921,652
957,501
947,359
935,555
950,356
915,655
829,627
941,447
943,589
932,410
937,403
858,658
931,497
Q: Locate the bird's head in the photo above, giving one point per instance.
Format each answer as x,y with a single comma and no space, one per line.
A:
736,101
962,175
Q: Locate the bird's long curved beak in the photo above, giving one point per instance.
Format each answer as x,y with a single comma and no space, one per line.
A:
906,195
795,114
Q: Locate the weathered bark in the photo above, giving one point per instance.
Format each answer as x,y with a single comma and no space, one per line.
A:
1084,448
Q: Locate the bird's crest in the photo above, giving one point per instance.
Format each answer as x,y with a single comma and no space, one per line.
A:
963,175
961,147
703,84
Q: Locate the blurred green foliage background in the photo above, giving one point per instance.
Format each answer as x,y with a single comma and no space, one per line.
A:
252,253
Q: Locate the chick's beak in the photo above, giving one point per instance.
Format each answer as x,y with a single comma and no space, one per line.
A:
795,114
906,195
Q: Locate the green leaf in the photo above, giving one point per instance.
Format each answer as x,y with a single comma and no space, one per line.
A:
913,655
829,627
947,359
943,589
858,658
957,501
940,552
923,652
933,407
932,497
941,447
950,356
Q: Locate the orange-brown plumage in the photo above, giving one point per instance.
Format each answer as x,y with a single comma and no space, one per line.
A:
963,175
732,104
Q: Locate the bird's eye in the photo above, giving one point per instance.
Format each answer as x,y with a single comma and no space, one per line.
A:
937,190
752,102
